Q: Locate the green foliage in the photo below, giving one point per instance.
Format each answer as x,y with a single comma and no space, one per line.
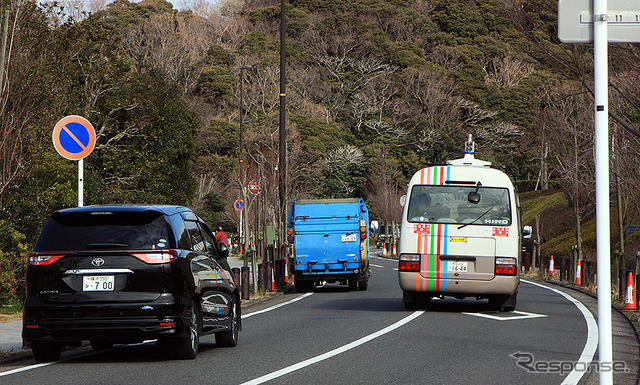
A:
407,54
319,136
215,82
217,55
213,209
221,137
533,207
13,261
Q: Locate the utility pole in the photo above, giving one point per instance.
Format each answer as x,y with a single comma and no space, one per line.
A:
282,164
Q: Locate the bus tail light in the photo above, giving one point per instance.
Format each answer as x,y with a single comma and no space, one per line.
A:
409,262
506,266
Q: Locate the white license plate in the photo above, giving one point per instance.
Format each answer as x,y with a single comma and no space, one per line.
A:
349,238
98,283
457,267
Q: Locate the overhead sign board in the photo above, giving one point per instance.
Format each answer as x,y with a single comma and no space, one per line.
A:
575,21
74,137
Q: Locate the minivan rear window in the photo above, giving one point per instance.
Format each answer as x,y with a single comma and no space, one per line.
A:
146,230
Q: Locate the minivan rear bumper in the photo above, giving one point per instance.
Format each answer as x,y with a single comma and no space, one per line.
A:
116,322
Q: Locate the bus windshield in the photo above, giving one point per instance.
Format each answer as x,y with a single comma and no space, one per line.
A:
449,204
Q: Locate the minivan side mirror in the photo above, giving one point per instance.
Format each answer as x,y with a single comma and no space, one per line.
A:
526,231
224,250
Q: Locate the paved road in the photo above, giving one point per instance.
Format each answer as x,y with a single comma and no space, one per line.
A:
336,336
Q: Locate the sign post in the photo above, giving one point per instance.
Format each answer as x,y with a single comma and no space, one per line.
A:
74,138
590,21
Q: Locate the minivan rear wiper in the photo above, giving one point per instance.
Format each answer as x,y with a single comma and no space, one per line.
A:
107,245
477,219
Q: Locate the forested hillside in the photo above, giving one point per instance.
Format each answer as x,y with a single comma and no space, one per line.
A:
376,89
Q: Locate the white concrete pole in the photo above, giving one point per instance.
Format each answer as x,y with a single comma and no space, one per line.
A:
601,76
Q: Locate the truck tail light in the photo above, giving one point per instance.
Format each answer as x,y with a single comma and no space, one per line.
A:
363,230
37,259
290,235
409,262
506,266
155,257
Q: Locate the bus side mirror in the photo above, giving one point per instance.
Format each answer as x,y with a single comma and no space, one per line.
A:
526,232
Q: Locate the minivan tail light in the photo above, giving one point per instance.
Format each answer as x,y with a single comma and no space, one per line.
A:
36,259
506,266
409,262
156,256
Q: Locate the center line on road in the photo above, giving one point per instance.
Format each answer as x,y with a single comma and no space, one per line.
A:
334,352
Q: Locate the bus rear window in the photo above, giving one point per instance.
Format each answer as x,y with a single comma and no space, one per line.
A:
449,204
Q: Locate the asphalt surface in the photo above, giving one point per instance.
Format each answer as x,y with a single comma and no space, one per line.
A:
442,345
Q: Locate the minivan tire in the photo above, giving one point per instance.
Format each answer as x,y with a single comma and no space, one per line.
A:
186,346
44,351
229,338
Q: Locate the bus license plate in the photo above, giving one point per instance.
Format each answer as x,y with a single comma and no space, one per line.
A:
98,283
457,267
349,238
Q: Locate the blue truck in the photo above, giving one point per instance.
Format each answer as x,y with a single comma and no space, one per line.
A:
329,242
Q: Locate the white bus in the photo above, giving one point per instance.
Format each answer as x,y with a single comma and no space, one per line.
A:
460,234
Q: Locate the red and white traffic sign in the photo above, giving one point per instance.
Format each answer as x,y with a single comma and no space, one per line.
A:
74,137
254,187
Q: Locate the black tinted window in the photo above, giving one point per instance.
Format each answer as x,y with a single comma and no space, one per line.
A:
105,230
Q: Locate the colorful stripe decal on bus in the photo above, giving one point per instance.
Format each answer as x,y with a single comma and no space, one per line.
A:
432,243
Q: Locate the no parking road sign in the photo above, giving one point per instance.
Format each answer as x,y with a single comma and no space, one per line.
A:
74,137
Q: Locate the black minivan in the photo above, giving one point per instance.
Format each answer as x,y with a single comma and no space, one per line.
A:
125,274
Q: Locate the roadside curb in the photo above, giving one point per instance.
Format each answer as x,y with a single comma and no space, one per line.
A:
634,325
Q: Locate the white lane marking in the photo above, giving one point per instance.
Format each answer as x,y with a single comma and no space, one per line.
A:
508,316
36,366
334,352
371,264
276,306
18,370
592,337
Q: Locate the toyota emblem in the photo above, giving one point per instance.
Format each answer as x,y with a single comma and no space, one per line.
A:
97,262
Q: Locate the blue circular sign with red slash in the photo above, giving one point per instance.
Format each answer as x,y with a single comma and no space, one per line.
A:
74,137
238,204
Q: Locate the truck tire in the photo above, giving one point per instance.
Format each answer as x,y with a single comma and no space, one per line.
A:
303,286
363,284
353,284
